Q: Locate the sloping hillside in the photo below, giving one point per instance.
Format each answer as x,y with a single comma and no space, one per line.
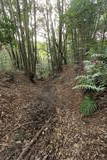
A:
41,121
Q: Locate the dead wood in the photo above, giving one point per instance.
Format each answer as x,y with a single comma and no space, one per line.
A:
28,147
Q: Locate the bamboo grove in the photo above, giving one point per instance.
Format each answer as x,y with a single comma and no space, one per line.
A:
69,29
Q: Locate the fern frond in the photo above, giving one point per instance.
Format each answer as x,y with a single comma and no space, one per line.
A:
98,55
82,77
89,87
97,74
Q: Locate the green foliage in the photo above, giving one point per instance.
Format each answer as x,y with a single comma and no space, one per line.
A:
81,19
88,106
7,29
81,15
5,61
87,82
95,77
68,34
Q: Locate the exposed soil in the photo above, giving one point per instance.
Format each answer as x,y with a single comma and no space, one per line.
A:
41,121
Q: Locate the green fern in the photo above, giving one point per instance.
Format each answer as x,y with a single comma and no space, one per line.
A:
87,82
88,106
97,74
98,56
89,87
95,77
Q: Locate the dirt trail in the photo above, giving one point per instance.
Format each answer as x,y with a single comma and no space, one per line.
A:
67,136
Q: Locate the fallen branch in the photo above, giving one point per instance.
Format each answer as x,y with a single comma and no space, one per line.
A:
28,147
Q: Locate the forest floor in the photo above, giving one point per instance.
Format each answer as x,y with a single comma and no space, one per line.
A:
41,121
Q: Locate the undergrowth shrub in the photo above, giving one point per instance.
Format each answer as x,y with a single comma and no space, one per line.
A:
88,106
95,74
93,80
88,83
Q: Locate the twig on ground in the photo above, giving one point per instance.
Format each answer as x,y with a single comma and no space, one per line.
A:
26,150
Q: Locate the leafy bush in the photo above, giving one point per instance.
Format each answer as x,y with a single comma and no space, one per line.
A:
87,82
95,76
88,106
